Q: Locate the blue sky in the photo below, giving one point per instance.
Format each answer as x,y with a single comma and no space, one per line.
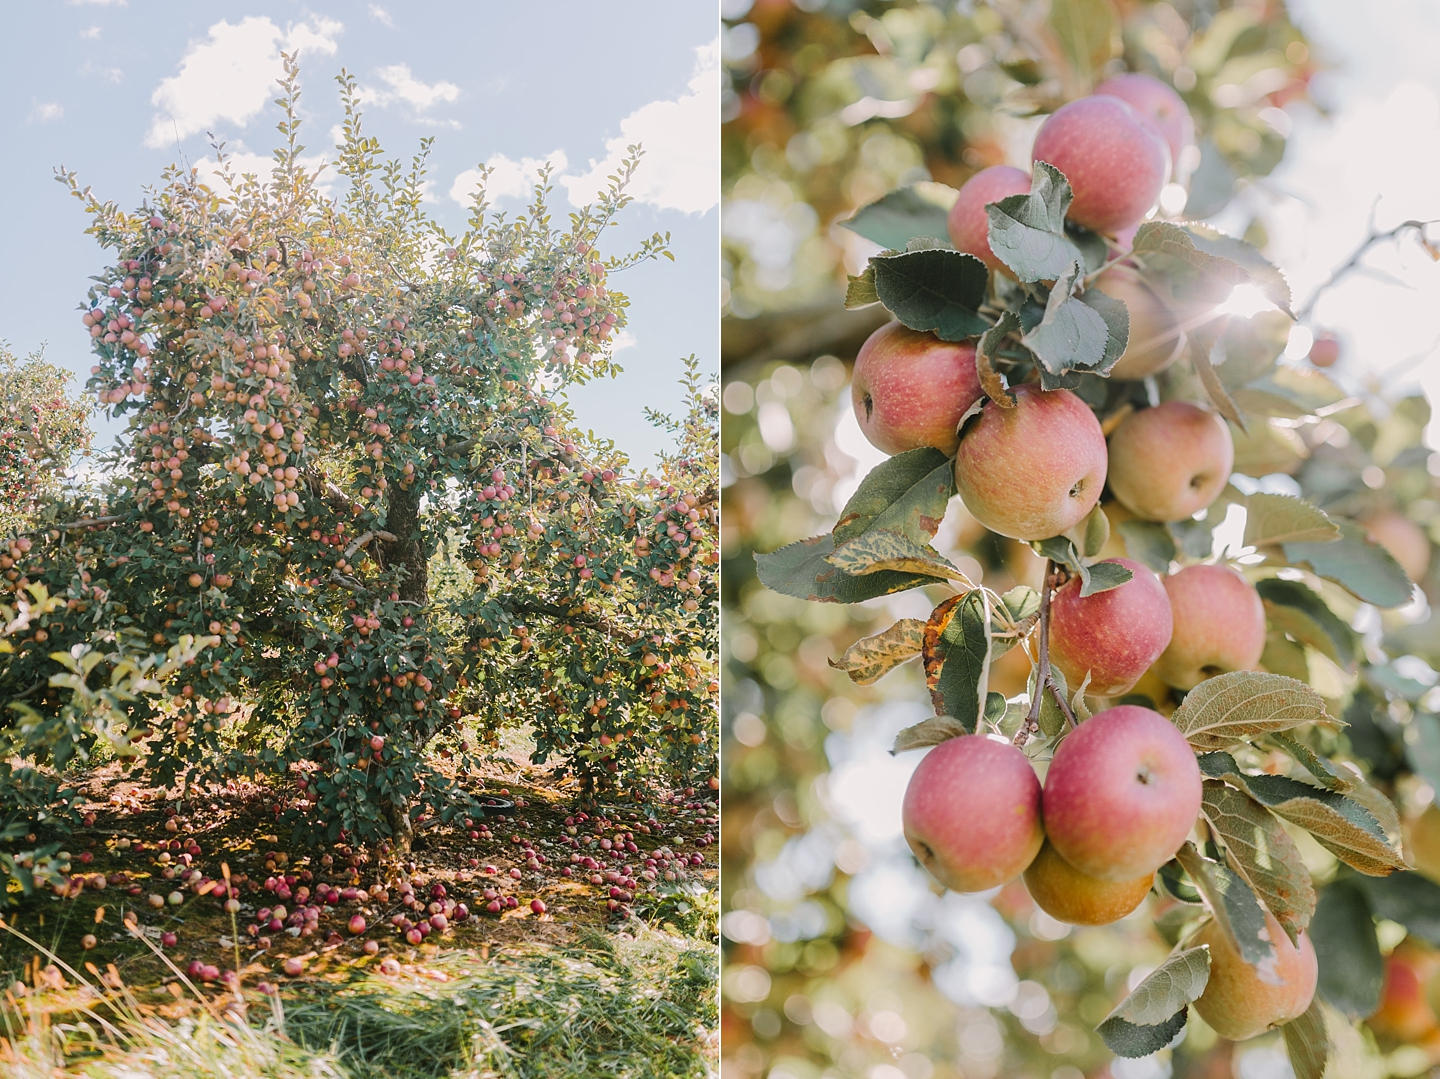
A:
117,90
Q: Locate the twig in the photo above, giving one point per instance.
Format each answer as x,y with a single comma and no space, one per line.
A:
1042,676
1353,262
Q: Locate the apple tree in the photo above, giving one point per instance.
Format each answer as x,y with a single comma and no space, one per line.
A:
348,467
1086,375
41,429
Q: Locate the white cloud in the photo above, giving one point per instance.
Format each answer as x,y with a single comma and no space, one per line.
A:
91,33
97,3
404,86
380,15
241,162
46,111
109,74
513,179
624,339
681,138
231,76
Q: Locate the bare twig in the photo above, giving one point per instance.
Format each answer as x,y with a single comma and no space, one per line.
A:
1353,262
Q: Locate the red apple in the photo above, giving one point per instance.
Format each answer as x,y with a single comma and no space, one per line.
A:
1325,350
910,389
1114,635
1159,104
969,224
972,813
1219,626
1156,340
1035,470
1169,462
1115,159
1121,794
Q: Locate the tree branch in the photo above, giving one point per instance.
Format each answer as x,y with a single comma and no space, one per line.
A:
1353,262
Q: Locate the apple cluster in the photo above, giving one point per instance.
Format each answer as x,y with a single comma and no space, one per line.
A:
1054,449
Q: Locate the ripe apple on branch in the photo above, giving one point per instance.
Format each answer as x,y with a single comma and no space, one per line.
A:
1061,360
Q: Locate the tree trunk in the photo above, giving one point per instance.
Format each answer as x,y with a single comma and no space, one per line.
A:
408,550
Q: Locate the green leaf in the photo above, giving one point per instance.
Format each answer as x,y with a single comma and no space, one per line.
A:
1071,334
1086,30
1232,904
880,549
1104,576
1299,611
1117,325
1027,232
1364,569
1204,341
1171,248
1285,519
1424,752
1351,967
1021,602
870,658
1021,607
1051,720
1307,1043
860,289
1342,825
905,213
1262,852
1259,269
1176,884
1325,772
1239,705
1197,538
1169,987
1094,532
1144,1022
1148,542
905,494
934,290
800,570
1408,899
929,732
957,665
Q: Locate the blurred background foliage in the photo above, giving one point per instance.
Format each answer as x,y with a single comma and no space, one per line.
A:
840,958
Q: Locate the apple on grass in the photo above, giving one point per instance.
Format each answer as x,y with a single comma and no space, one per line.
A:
1115,159
1035,470
910,389
1113,636
971,813
1242,1001
1219,626
1169,462
1122,794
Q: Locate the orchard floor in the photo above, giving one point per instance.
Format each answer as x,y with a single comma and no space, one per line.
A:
572,991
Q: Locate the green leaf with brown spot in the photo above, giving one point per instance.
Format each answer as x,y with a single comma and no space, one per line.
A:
870,658
801,570
929,732
1262,852
1240,705
906,493
1341,824
880,549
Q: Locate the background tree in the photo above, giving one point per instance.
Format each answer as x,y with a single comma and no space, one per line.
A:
813,136
41,430
345,470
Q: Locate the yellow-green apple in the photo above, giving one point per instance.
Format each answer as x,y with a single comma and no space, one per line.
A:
1422,842
1219,626
1241,1001
1114,635
1115,159
1403,538
1032,471
1405,1013
1169,462
1068,895
972,813
910,389
1159,104
1156,337
969,224
1121,794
